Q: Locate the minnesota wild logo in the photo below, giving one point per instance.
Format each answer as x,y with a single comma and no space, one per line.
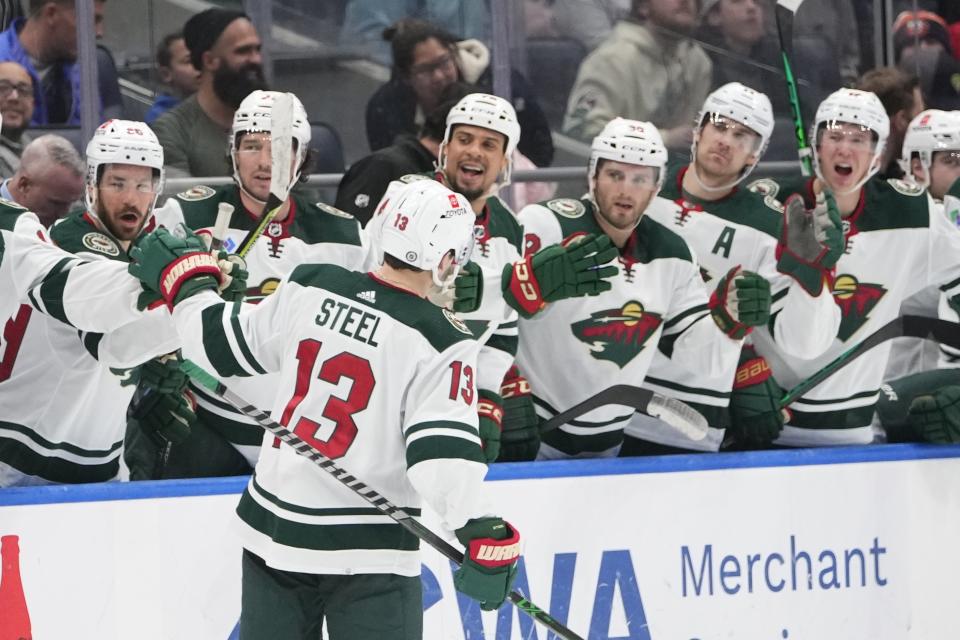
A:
617,335
856,300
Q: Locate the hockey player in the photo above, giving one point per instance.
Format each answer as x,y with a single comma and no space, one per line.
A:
577,348
730,228
914,383
223,441
896,243
475,160
377,378
72,429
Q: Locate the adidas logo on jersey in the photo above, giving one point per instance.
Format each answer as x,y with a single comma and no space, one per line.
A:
368,296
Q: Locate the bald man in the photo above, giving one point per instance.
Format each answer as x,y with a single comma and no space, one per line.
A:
50,179
16,108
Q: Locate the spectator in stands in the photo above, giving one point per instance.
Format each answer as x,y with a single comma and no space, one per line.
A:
16,109
365,182
178,77
50,179
923,46
902,100
738,31
648,69
45,44
225,49
827,31
426,59
365,20
588,21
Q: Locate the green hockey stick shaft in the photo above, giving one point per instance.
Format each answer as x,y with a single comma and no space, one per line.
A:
784,12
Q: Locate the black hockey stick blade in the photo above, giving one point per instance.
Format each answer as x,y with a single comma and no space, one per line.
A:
941,331
281,154
367,493
784,14
675,413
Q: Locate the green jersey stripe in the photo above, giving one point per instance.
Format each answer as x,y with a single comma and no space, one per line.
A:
507,344
241,340
343,511
334,537
440,424
215,342
843,419
51,295
26,460
580,423
443,447
43,443
672,322
573,444
826,401
676,386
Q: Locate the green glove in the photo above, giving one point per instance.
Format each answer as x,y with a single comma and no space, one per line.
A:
936,416
740,302
167,417
559,271
520,439
756,418
489,561
490,412
174,267
468,288
811,241
233,270
163,374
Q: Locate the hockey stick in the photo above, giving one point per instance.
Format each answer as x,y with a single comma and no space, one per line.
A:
675,413
942,331
785,10
224,213
370,495
281,146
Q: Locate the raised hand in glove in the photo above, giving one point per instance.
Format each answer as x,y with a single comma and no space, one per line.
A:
167,417
174,267
520,438
163,375
756,418
740,302
233,276
489,561
490,412
936,416
811,241
558,272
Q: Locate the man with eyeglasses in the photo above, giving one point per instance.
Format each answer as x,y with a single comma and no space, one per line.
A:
223,441
736,233
63,393
16,107
896,242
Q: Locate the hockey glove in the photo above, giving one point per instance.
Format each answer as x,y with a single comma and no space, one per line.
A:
490,410
233,276
163,374
489,561
558,272
520,439
176,268
811,241
756,418
740,302
167,417
468,288
936,416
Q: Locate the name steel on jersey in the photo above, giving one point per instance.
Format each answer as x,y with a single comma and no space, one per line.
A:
350,321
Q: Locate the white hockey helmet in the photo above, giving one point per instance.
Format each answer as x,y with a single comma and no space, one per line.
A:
932,130
122,142
741,104
631,142
490,112
854,107
422,222
255,114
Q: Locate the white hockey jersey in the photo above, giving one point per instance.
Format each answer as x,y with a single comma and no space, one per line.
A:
311,233
62,408
378,380
897,243
741,229
576,348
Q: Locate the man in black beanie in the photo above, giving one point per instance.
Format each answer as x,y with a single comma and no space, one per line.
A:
225,48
